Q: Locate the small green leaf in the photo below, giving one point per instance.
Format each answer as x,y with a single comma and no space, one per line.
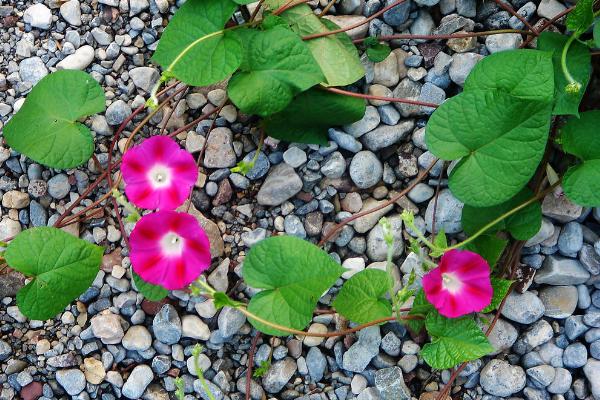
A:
46,128
597,34
453,341
293,274
580,19
61,266
489,247
377,52
579,63
363,296
277,66
222,300
244,2
522,225
526,74
336,54
579,136
499,138
501,287
148,290
308,117
420,307
440,239
195,47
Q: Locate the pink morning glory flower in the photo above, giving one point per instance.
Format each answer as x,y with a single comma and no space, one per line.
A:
158,174
460,284
169,249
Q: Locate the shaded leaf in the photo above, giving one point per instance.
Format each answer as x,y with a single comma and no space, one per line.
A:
579,64
363,296
489,247
308,117
579,136
376,51
195,47
581,18
46,128
293,274
150,291
420,307
522,225
453,341
277,66
60,265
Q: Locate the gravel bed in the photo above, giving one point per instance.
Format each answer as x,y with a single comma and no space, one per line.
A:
113,344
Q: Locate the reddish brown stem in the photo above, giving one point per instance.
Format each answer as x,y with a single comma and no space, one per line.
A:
255,340
394,199
547,24
515,14
356,25
408,36
382,98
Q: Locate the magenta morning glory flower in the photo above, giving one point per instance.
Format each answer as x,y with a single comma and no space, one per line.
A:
460,284
158,174
169,249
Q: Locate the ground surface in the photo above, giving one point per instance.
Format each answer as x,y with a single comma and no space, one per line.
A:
112,344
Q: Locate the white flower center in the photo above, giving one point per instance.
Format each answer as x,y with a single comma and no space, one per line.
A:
450,282
172,244
159,176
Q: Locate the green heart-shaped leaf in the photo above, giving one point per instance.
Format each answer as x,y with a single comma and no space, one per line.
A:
325,110
195,47
277,66
363,296
579,136
581,18
46,128
61,266
453,341
499,138
294,274
526,74
522,225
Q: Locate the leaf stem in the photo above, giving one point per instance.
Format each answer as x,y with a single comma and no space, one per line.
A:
573,87
503,216
408,36
133,212
382,98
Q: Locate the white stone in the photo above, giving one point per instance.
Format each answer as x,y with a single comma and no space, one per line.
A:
354,266
38,16
79,60
193,327
71,12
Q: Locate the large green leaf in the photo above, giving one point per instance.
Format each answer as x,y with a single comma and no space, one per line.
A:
490,247
61,266
195,47
46,128
307,118
335,54
501,287
579,136
148,290
293,274
526,74
363,296
277,65
499,138
453,341
579,64
581,18
522,225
